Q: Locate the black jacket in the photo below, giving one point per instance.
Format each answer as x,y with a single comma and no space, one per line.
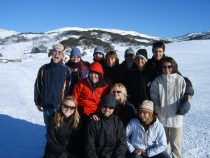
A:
139,83
153,63
105,138
52,85
125,112
114,74
62,142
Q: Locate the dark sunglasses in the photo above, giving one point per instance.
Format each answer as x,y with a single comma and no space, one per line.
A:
164,67
116,91
68,107
57,51
109,107
129,55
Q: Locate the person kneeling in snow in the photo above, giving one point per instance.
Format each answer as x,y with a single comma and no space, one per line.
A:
145,134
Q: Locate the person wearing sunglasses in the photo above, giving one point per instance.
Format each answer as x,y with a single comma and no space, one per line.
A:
106,137
52,84
166,92
113,72
158,50
140,79
78,67
145,134
64,131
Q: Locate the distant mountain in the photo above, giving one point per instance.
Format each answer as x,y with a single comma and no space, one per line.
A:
194,36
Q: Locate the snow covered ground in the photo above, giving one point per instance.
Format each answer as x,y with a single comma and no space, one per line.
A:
22,130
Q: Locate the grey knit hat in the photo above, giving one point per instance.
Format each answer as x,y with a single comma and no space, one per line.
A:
147,105
98,49
129,51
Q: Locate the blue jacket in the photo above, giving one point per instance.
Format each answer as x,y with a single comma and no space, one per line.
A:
153,140
52,85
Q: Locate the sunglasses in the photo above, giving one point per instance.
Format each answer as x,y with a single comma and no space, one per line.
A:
116,91
164,67
129,55
57,51
109,107
68,107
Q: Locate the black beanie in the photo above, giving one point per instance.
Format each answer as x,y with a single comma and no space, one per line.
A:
142,53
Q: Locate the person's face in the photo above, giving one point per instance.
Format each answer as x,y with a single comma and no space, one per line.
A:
143,115
110,61
129,58
116,92
140,62
98,56
167,68
75,59
106,111
94,77
158,53
57,55
68,108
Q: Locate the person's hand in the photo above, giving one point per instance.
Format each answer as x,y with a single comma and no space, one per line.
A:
144,153
137,151
95,118
39,107
187,97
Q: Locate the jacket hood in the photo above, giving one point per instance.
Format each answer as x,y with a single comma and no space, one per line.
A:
96,66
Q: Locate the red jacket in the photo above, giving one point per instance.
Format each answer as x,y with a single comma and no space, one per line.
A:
87,97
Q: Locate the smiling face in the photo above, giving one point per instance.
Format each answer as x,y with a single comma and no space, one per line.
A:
117,93
57,55
75,59
158,53
68,108
98,56
93,76
140,62
144,116
107,112
167,68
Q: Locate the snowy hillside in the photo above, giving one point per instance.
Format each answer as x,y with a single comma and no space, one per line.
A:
22,131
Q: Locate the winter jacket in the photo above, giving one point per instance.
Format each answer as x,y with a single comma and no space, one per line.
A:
153,63
79,73
87,96
115,74
166,92
139,82
52,85
105,138
125,112
153,140
63,141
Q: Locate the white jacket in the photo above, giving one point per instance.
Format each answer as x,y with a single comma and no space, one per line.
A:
152,140
166,92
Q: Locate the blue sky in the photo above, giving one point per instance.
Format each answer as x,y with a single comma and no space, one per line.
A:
162,18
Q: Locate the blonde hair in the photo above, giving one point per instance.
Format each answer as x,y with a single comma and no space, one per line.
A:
123,92
58,119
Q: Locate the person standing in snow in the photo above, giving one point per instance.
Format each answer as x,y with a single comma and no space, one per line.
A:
98,55
78,67
145,134
52,84
166,93
158,50
64,131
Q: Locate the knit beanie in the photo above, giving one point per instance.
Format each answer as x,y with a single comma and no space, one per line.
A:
98,49
109,101
59,46
129,51
147,106
142,53
75,51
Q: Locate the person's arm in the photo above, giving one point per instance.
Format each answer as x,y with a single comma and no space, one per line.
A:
38,90
189,91
160,141
154,94
121,145
90,136
129,131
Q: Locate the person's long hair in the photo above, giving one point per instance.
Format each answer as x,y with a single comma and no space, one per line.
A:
170,60
122,88
59,117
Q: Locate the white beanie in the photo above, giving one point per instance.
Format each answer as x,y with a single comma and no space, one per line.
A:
147,105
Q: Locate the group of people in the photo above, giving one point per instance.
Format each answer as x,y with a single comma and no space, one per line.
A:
110,110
